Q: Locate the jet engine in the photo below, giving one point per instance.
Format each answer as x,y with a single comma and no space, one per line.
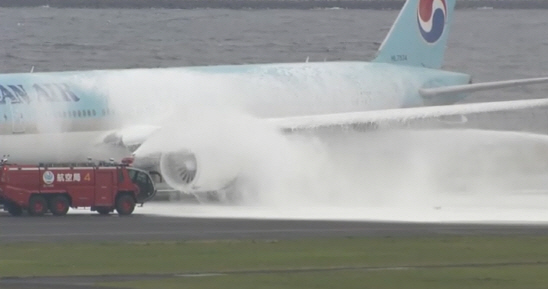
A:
192,171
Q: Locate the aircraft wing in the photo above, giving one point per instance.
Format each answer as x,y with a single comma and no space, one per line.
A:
467,88
401,115
133,137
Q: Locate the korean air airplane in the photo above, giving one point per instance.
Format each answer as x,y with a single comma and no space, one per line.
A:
58,115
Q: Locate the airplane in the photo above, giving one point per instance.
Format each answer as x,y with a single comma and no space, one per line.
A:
57,116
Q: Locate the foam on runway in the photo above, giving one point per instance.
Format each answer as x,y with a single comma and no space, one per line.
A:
448,175
419,176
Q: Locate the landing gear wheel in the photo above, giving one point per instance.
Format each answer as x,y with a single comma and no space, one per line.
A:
14,209
37,205
103,211
125,205
59,205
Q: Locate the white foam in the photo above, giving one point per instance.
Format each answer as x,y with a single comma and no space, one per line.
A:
473,214
420,176
427,176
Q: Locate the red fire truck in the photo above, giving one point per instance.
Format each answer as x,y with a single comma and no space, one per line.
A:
103,187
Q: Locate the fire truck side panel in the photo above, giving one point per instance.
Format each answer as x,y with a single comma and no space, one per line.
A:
103,192
19,196
81,196
22,182
61,177
23,178
78,183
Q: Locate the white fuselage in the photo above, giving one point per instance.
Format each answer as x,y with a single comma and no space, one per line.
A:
47,116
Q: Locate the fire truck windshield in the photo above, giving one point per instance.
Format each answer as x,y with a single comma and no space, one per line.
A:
143,180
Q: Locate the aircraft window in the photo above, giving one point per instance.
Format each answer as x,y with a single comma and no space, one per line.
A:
88,113
93,111
79,113
104,113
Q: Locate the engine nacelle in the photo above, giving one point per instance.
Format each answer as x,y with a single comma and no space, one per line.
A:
191,171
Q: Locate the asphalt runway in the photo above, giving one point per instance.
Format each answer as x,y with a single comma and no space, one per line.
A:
140,228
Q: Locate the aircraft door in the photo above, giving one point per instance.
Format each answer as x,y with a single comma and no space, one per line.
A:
17,119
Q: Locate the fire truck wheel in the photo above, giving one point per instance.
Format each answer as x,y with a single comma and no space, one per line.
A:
125,205
37,206
14,209
59,205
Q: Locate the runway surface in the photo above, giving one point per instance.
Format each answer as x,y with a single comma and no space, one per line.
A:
139,227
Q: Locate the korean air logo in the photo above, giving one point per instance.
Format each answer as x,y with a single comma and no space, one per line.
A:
48,177
431,16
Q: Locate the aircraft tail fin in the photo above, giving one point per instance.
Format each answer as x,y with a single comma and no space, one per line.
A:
419,35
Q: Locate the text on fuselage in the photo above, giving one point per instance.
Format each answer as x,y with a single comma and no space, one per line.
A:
48,92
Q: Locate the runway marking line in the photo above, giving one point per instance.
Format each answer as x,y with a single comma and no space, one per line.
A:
79,280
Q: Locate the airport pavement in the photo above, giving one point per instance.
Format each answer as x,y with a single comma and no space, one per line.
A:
140,227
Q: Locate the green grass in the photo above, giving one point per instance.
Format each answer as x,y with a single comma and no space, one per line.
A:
38,259
470,278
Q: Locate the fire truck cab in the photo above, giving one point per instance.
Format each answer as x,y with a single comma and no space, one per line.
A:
103,187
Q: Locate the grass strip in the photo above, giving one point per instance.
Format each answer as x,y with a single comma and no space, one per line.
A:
509,277
38,259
